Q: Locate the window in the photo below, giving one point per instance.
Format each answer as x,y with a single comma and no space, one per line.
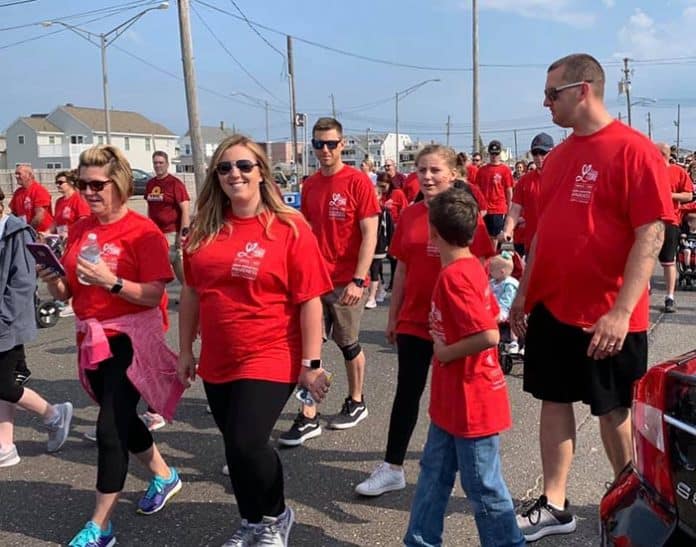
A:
126,143
56,165
77,139
187,148
20,139
100,139
148,146
51,139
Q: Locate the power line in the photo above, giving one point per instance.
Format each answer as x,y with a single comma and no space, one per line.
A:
252,27
16,3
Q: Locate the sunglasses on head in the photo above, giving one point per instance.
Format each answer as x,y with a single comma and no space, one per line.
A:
94,185
552,93
319,144
245,166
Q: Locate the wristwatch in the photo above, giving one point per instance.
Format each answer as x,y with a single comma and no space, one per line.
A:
359,282
311,363
116,288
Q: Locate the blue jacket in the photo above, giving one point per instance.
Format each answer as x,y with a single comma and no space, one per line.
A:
17,285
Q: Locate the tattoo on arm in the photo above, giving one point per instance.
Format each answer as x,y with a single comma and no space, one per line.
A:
657,240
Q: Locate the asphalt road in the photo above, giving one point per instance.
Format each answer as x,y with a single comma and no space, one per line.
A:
46,498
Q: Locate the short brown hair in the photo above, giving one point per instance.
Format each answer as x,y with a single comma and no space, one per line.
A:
118,168
581,67
69,176
454,214
327,124
161,154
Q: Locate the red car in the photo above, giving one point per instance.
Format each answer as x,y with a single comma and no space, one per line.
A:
653,502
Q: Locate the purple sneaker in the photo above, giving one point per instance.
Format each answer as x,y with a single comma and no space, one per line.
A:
159,493
92,536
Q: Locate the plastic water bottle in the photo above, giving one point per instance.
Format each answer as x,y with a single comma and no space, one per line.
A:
90,252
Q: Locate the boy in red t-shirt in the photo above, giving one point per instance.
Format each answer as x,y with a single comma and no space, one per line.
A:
469,403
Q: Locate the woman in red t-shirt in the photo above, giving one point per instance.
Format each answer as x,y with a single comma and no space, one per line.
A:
117,296
254,275
70,207
393,200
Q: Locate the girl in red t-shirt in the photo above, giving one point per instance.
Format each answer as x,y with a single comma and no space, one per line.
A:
254,275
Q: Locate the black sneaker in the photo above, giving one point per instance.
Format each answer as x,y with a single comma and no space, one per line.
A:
302,429
669,306
538,519
352,413
22,376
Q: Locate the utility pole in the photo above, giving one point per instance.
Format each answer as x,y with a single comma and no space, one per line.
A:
333,106
678,124
448,128
367,142
620,116
396,120
293,113
475,79
191,96
268,137
515,133
649,127
625,87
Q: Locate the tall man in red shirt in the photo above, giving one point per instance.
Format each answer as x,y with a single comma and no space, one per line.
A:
168,205
495,182
341,205
602,211
682,191
31,201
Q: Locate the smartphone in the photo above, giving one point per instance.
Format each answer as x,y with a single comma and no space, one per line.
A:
45,256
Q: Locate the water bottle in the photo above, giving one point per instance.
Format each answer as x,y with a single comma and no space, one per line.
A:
90,252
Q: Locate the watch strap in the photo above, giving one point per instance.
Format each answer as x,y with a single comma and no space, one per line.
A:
311,363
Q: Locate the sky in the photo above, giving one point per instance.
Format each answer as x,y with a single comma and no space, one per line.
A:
362,52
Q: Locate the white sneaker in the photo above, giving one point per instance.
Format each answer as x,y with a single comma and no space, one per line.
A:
383,479
9,457
381,295
67,311
370,304
59,428
91,434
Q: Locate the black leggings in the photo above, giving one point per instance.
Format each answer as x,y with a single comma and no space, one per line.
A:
9,390
376,270
119,429
414,356
245,411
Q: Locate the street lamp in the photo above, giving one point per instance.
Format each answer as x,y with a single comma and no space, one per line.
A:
105,39
403,93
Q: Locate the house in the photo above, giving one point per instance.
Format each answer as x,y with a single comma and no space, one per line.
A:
381,146
407,156
211,137
55,140
3,152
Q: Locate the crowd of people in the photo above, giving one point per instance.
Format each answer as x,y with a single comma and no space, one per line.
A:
473,248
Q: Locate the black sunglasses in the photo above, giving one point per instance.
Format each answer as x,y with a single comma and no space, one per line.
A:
245,166
319,144
538,152
552,93
94,185
60,182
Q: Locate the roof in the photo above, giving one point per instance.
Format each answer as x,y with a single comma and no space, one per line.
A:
40,123
210,134
122,121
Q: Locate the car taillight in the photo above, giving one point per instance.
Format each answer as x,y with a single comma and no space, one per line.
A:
650,449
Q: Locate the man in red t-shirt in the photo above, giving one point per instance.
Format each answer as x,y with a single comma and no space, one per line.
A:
523,207
31,201
682,191
603,206
168,205
397,178
340,204
495,182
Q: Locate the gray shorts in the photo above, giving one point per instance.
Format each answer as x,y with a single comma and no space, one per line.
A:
175,253
342,323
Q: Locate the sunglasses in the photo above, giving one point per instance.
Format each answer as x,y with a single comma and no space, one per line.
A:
319,144
94,185
60,183
552,93
537,152
244,166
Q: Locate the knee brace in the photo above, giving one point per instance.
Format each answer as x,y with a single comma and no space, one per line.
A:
351,351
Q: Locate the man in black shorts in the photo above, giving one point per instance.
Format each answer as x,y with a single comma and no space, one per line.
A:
602,207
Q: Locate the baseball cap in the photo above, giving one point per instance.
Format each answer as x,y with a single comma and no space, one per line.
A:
494,147
543,141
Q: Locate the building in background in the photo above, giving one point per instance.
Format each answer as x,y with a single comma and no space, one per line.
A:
381,146
211,137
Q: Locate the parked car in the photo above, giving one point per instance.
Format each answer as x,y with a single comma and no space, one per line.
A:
140,179
653,501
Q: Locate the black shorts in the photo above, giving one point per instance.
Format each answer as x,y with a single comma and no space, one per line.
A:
557,368
494,223
668,253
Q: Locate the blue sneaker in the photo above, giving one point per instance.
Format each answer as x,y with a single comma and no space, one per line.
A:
159,493
92,536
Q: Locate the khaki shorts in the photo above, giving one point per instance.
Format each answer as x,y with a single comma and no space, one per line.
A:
342,323
174,241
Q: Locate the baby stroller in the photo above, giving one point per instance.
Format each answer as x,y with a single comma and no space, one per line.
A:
47,311
686,252
509,351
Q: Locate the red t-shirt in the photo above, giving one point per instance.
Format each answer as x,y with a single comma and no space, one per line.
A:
132,247
26,200
395,202
471,172
679,181
69,210
468,396
411,245
478,196
595,191
334,207
163,198
411,187
526,195
494,180
250,288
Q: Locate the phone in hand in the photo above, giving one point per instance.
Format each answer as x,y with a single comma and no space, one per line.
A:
45,256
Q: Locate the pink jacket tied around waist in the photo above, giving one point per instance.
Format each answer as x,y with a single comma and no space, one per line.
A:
153,369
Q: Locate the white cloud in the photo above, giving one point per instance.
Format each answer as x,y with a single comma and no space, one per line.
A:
641,37
569,12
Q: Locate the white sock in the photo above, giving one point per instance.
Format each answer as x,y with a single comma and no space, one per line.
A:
670,296
555,507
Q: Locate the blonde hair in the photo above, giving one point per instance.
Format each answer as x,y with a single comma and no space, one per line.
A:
212,201
501,262
445,152
118,169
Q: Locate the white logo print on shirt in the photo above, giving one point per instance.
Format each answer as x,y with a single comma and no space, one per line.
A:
247,262
584,184
337,207
109,254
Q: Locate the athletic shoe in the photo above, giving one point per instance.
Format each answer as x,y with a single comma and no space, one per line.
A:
153,421
538,519
381,295
383,479
243,537
274,531
92,536
669,306
302,429
513,347
9,457
159,493
370,304
59,428
67,311
226,470
352,413
22,376
91,434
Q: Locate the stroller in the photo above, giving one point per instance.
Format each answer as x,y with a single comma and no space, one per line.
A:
686,252
47,311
